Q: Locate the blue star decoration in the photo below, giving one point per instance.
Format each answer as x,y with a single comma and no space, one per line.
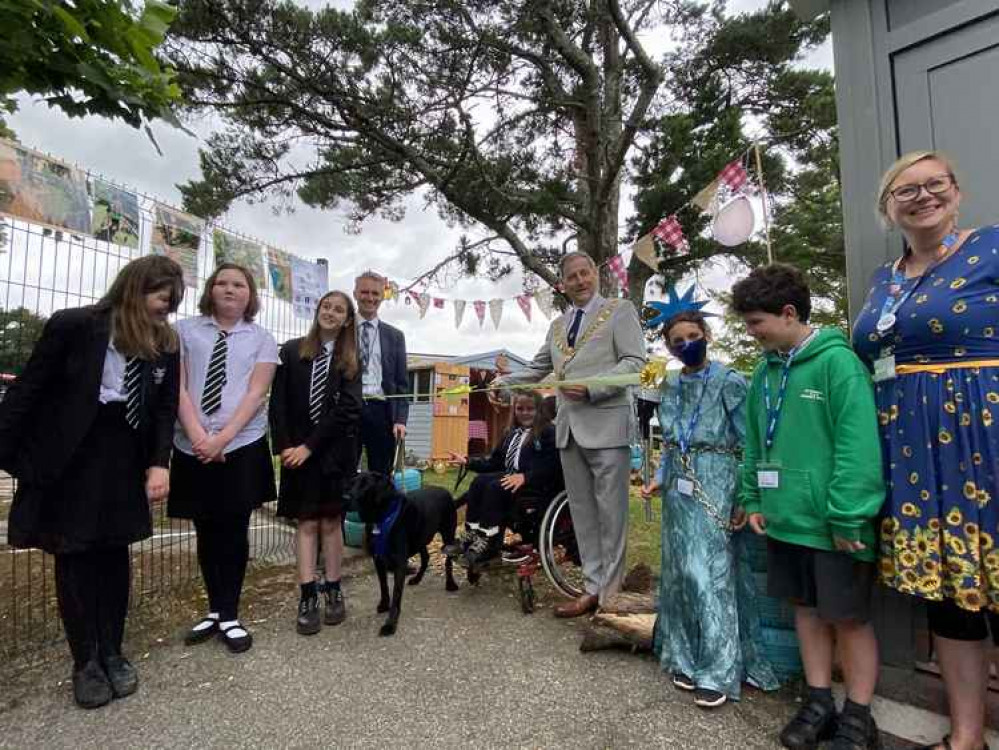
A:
676,304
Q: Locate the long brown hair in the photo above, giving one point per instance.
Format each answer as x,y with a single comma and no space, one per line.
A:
207,307
133,332
542,418
345,348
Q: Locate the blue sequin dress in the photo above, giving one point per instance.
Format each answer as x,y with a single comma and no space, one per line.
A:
939,430
708,624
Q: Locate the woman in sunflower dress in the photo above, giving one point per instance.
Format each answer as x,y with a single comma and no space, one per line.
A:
936,311
707,632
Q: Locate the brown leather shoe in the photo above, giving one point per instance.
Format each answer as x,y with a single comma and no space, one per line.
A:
577,607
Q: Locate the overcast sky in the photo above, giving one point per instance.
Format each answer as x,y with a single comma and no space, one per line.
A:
400,250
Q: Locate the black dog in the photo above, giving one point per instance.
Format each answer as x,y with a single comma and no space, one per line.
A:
400,526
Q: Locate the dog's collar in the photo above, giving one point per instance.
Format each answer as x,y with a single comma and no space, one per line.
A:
383,528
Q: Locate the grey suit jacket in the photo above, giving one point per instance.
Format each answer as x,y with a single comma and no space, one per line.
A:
611,344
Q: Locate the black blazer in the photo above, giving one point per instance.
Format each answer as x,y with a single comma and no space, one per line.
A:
333,441
539,461
51,407
395,376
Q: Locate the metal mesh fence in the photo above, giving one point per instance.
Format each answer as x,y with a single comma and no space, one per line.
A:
43,270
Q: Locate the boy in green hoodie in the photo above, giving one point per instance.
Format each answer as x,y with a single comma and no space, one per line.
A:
812,483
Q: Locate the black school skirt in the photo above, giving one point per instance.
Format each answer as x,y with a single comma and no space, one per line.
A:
306,493
98,502
234,487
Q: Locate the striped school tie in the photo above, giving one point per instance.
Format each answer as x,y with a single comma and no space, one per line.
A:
133,391
513,450
317,389
211,396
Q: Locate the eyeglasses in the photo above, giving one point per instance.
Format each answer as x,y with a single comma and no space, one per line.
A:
934,186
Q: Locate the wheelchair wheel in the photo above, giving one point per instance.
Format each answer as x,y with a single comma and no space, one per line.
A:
558,550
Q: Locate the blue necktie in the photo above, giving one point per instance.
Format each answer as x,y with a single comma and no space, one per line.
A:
574,328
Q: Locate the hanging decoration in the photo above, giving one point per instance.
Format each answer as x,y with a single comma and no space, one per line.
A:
524,300
670,233
423,300
459,312
480,310
645,251
733,224
674,305
544,299
734,175
496,311
438,303
616,265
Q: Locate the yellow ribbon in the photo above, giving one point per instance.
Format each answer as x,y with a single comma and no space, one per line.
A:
631,378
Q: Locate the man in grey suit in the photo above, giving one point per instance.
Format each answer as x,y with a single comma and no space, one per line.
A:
596,336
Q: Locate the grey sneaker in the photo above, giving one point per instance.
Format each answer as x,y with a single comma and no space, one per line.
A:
336,607
308,622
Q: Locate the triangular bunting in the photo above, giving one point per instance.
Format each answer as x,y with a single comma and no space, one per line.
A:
544,299
524,301
496,311
480,311
459,312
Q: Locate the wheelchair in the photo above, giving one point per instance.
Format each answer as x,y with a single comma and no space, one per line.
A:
547,541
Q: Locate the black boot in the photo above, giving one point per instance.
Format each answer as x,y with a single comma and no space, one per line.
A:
121,674
814,723
856,730
91,688
336,607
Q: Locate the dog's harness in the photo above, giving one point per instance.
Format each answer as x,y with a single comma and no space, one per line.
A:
383,528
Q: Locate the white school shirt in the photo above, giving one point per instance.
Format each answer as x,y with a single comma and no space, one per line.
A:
113,377
371,379
248,345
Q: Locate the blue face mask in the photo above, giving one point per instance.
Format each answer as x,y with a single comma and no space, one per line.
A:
691,353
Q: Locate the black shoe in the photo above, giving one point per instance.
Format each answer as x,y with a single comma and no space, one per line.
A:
308,622
682,682
122,675
814,723
856,731
945,744
481,550
91,688
707,698
237,644
199,635
336,607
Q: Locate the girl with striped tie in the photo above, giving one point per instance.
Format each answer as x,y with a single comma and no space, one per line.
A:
314,413
221,470
86,430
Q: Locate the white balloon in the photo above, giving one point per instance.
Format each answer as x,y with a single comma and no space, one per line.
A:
734,222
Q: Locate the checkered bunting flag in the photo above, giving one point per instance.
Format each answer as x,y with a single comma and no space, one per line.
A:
616,266
669,232
734,175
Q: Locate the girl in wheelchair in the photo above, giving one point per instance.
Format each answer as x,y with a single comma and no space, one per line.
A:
524,464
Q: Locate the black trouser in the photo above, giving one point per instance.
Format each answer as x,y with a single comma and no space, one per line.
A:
376,436
223,551
92,589
489,504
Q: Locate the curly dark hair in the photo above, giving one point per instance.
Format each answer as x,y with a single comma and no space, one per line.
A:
770,288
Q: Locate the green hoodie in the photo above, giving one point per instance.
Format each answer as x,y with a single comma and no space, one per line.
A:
826,451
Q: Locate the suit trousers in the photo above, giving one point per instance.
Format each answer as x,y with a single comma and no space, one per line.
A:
596,480
376,436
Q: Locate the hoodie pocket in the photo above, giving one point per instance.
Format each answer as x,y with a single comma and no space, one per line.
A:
792,506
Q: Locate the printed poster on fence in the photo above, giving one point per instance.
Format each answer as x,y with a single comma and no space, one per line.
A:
42,191
177,236
279,268
232,249
114,216
309,283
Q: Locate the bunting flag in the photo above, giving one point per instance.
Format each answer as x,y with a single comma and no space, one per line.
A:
616,265
496,311
480,311
706,197
669,232
459,312
734,175
423,300
645,251
524,301
438,303
544,299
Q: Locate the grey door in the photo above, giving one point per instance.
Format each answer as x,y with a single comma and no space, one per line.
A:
947,98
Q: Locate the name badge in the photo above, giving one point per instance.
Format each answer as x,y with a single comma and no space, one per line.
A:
768,479
884,368
684,486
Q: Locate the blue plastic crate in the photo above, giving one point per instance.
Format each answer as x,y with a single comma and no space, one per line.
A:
780,648
636,458
353,532
408,479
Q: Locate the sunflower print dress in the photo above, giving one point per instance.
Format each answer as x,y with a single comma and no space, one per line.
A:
939,430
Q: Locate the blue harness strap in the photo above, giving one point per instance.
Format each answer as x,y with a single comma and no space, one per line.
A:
383,528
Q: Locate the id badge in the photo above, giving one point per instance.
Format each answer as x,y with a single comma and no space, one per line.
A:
884,368
768,479
684,486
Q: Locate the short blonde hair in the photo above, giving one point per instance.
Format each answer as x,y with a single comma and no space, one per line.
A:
900,165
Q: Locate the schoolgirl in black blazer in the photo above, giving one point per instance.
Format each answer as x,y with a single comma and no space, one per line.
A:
525,462
86,430
315,408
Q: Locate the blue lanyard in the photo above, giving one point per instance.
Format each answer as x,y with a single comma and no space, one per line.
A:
683,441
896,298
774,409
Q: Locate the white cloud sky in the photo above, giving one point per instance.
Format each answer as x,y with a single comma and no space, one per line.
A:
400,250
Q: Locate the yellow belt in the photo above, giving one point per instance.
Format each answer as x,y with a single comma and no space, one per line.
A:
942,367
